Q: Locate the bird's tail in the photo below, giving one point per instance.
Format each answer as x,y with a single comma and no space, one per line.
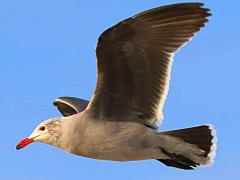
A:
189,148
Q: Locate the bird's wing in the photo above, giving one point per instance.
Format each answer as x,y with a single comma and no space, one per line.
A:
134,60
70,105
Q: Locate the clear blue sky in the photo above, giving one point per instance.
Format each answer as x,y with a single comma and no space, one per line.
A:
47,50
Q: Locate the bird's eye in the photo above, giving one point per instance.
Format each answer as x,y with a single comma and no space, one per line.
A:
42,128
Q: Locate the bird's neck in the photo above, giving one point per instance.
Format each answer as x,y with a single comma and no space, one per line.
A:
72,129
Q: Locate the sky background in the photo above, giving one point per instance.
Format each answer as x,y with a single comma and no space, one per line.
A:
47,50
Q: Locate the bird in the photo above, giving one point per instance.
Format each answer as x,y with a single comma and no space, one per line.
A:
121,121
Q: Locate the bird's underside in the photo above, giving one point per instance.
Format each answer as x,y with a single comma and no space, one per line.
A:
134,60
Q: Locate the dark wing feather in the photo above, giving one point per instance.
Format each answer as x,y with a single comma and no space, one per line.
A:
70,105
134,60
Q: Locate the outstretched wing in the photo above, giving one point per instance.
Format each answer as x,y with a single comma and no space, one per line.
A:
70,105
134,60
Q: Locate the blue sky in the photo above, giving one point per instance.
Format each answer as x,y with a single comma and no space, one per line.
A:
47,50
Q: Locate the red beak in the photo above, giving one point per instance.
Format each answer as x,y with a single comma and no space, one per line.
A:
24,143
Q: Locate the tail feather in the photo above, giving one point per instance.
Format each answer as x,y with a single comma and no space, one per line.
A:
203,137
175,164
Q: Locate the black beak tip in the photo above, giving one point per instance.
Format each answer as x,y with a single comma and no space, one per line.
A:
18,147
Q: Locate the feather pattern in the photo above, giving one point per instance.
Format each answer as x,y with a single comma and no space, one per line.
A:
134,60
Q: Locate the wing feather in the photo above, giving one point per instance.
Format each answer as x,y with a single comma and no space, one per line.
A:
134,60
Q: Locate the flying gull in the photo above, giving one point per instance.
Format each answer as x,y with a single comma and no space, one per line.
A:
120,123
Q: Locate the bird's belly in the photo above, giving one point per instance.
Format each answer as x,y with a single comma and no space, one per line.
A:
117,152
126,142
121,155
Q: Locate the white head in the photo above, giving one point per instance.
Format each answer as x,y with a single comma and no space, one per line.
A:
48,132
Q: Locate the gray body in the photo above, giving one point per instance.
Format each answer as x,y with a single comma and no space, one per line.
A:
134,60
110,140
118,140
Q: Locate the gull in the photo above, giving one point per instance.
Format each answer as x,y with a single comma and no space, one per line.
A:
120,122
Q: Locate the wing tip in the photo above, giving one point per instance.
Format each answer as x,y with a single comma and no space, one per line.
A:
57,100
177,6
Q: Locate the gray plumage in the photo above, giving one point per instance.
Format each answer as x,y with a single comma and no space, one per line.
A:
134,60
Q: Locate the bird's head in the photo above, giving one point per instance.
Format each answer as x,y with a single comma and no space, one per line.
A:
47,132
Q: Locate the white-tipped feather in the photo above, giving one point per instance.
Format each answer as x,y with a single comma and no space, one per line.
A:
165,93
213,149
161,103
